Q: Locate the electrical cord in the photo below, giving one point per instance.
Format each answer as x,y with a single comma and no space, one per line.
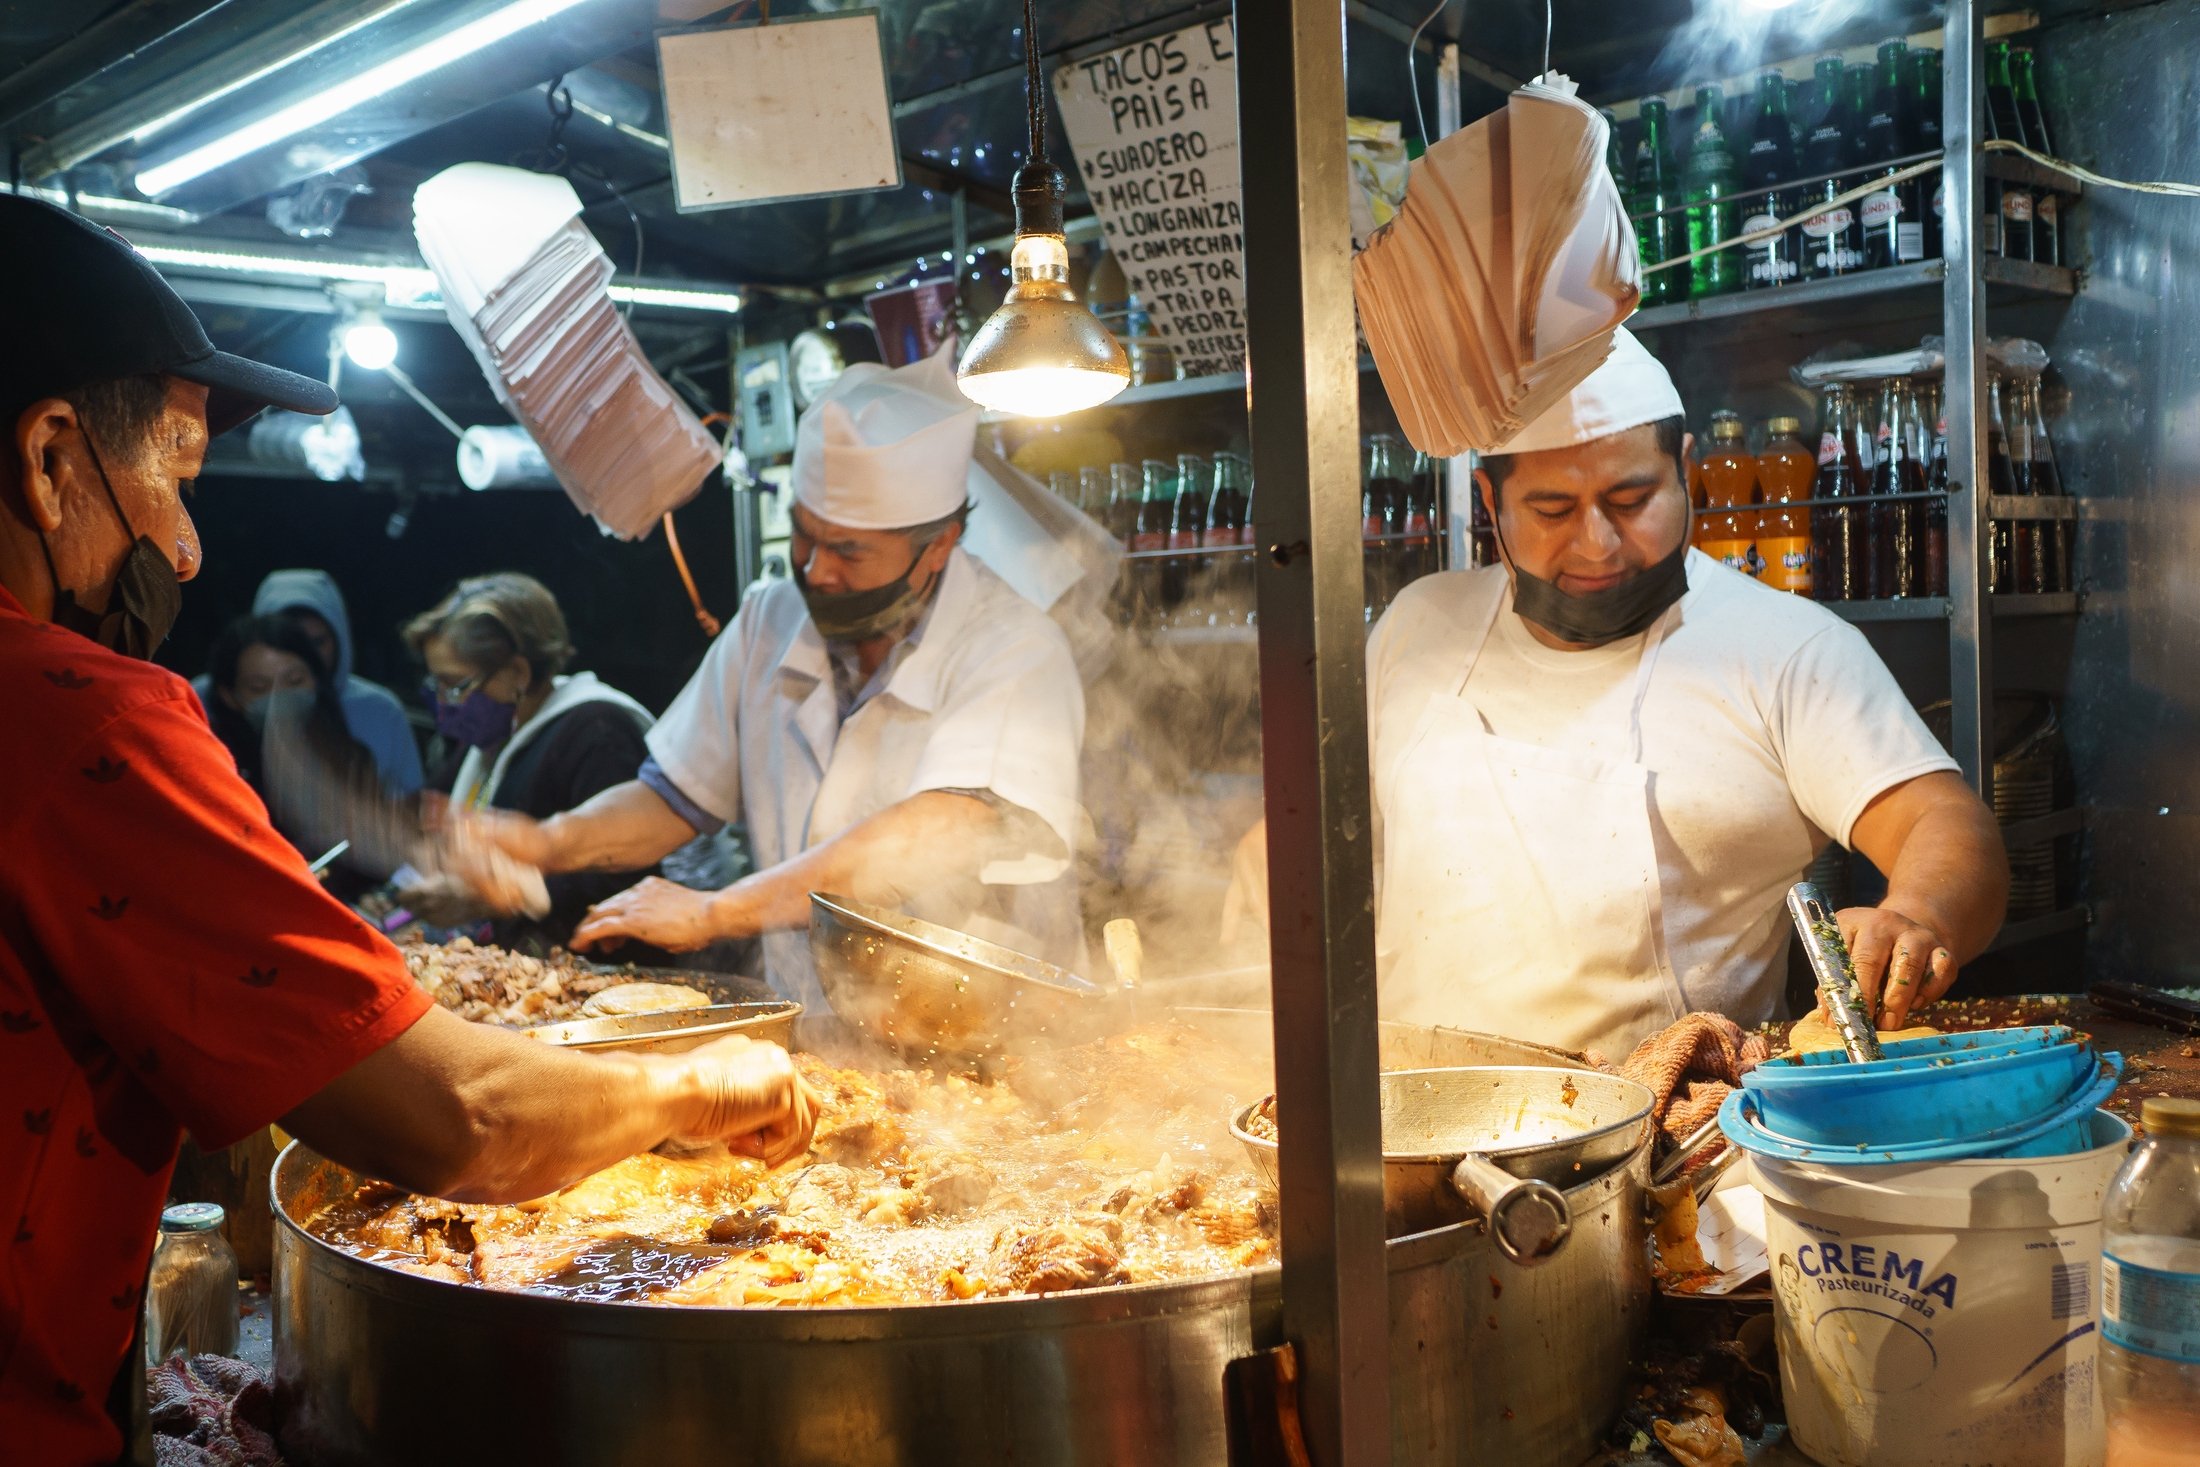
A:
2170,188
1817,207
1035,103
2087,175
1413,80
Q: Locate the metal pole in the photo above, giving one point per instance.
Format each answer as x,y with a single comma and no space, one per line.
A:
1970,622
1304,395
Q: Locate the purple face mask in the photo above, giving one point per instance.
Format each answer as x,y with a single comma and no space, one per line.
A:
477,719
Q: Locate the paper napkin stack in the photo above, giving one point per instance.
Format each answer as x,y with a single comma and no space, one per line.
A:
1496,289
524,283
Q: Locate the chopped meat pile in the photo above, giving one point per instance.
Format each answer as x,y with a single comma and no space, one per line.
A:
489,985
1110,1163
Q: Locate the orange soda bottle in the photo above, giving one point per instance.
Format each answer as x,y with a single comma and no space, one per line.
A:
1785,473
1730,488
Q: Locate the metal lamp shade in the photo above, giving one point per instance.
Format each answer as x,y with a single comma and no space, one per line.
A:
1041,354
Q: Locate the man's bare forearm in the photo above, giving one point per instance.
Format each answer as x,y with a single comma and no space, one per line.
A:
1952,874
476,1114
625,828
926,842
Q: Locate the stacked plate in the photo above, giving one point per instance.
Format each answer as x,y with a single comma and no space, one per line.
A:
1496,289
524,284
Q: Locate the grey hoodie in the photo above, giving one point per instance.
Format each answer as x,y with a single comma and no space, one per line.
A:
371,711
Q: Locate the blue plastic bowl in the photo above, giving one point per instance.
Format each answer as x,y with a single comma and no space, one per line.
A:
1927,1089
1926,1049
2057,1132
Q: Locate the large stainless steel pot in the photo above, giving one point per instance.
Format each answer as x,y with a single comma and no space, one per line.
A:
1490,1362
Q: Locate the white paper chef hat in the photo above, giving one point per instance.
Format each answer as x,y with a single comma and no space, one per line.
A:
1627,391
886,448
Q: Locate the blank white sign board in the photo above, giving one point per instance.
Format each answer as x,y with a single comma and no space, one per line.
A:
790,110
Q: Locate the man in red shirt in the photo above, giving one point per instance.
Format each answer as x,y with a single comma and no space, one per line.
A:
166,963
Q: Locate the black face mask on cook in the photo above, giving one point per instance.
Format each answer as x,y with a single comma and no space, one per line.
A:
858,616
1594,618
145,601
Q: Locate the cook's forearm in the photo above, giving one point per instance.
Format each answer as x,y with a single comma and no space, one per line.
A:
626,828
1952,874
923,843
477,1114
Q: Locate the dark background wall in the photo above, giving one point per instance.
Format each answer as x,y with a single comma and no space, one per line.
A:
629,615
2123,88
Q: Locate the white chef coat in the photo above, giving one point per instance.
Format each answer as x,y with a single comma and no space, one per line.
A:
1762,725
988,700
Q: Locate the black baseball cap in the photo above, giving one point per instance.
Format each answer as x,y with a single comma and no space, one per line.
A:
78,305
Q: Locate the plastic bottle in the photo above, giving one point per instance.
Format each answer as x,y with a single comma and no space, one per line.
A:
2150,1293
1730,488
1785,471
191,1293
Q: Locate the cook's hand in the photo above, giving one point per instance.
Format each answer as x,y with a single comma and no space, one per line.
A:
472,850
443,900
522,837
1247,899
753,1101
1901,963
663,913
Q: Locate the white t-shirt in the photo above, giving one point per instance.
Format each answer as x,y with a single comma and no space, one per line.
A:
1767,727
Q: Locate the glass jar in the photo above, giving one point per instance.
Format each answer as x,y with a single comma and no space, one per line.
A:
191,1295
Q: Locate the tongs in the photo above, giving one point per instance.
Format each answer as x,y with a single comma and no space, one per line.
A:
1836,974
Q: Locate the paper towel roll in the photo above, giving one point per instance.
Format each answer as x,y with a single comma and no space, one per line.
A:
503,457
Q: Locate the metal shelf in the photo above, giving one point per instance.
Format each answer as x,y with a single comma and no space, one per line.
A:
1903,608
2059,603
1935,608
2031,507
1863,285
2032,929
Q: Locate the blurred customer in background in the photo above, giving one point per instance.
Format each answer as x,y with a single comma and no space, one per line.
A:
370,711
537,739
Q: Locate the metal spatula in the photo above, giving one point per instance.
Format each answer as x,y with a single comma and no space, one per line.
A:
1836,974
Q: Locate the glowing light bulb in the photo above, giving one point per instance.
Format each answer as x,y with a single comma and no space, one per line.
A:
370,344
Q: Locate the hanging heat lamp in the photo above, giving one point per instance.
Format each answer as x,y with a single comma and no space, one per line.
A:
1042,353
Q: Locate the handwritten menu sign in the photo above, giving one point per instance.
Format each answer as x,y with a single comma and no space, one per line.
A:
1153,126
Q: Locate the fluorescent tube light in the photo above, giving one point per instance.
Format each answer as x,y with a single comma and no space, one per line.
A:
685,300
309,112
137,209
408,285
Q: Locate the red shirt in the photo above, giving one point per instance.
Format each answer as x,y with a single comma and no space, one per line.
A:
166,964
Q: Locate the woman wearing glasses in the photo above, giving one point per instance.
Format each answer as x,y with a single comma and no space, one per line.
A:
536,738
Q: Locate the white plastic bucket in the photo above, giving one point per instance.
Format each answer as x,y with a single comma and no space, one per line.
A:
1945,1314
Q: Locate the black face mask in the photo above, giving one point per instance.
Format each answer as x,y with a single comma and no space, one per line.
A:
145,601
858,616
1594,618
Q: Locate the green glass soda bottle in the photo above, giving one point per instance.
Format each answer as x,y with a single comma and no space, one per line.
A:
1711,183
1658,227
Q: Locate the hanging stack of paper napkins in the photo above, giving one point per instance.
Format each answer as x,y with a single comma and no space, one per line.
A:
1496,289
524,283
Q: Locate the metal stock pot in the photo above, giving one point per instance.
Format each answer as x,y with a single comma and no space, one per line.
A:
1490,1362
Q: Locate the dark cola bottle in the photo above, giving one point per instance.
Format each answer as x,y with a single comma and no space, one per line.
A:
1831,243
1836,522
1766,167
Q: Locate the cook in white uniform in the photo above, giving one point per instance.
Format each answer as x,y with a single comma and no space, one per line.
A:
895,723
1598,767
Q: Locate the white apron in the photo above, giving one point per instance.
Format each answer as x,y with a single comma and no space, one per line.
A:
1520,884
